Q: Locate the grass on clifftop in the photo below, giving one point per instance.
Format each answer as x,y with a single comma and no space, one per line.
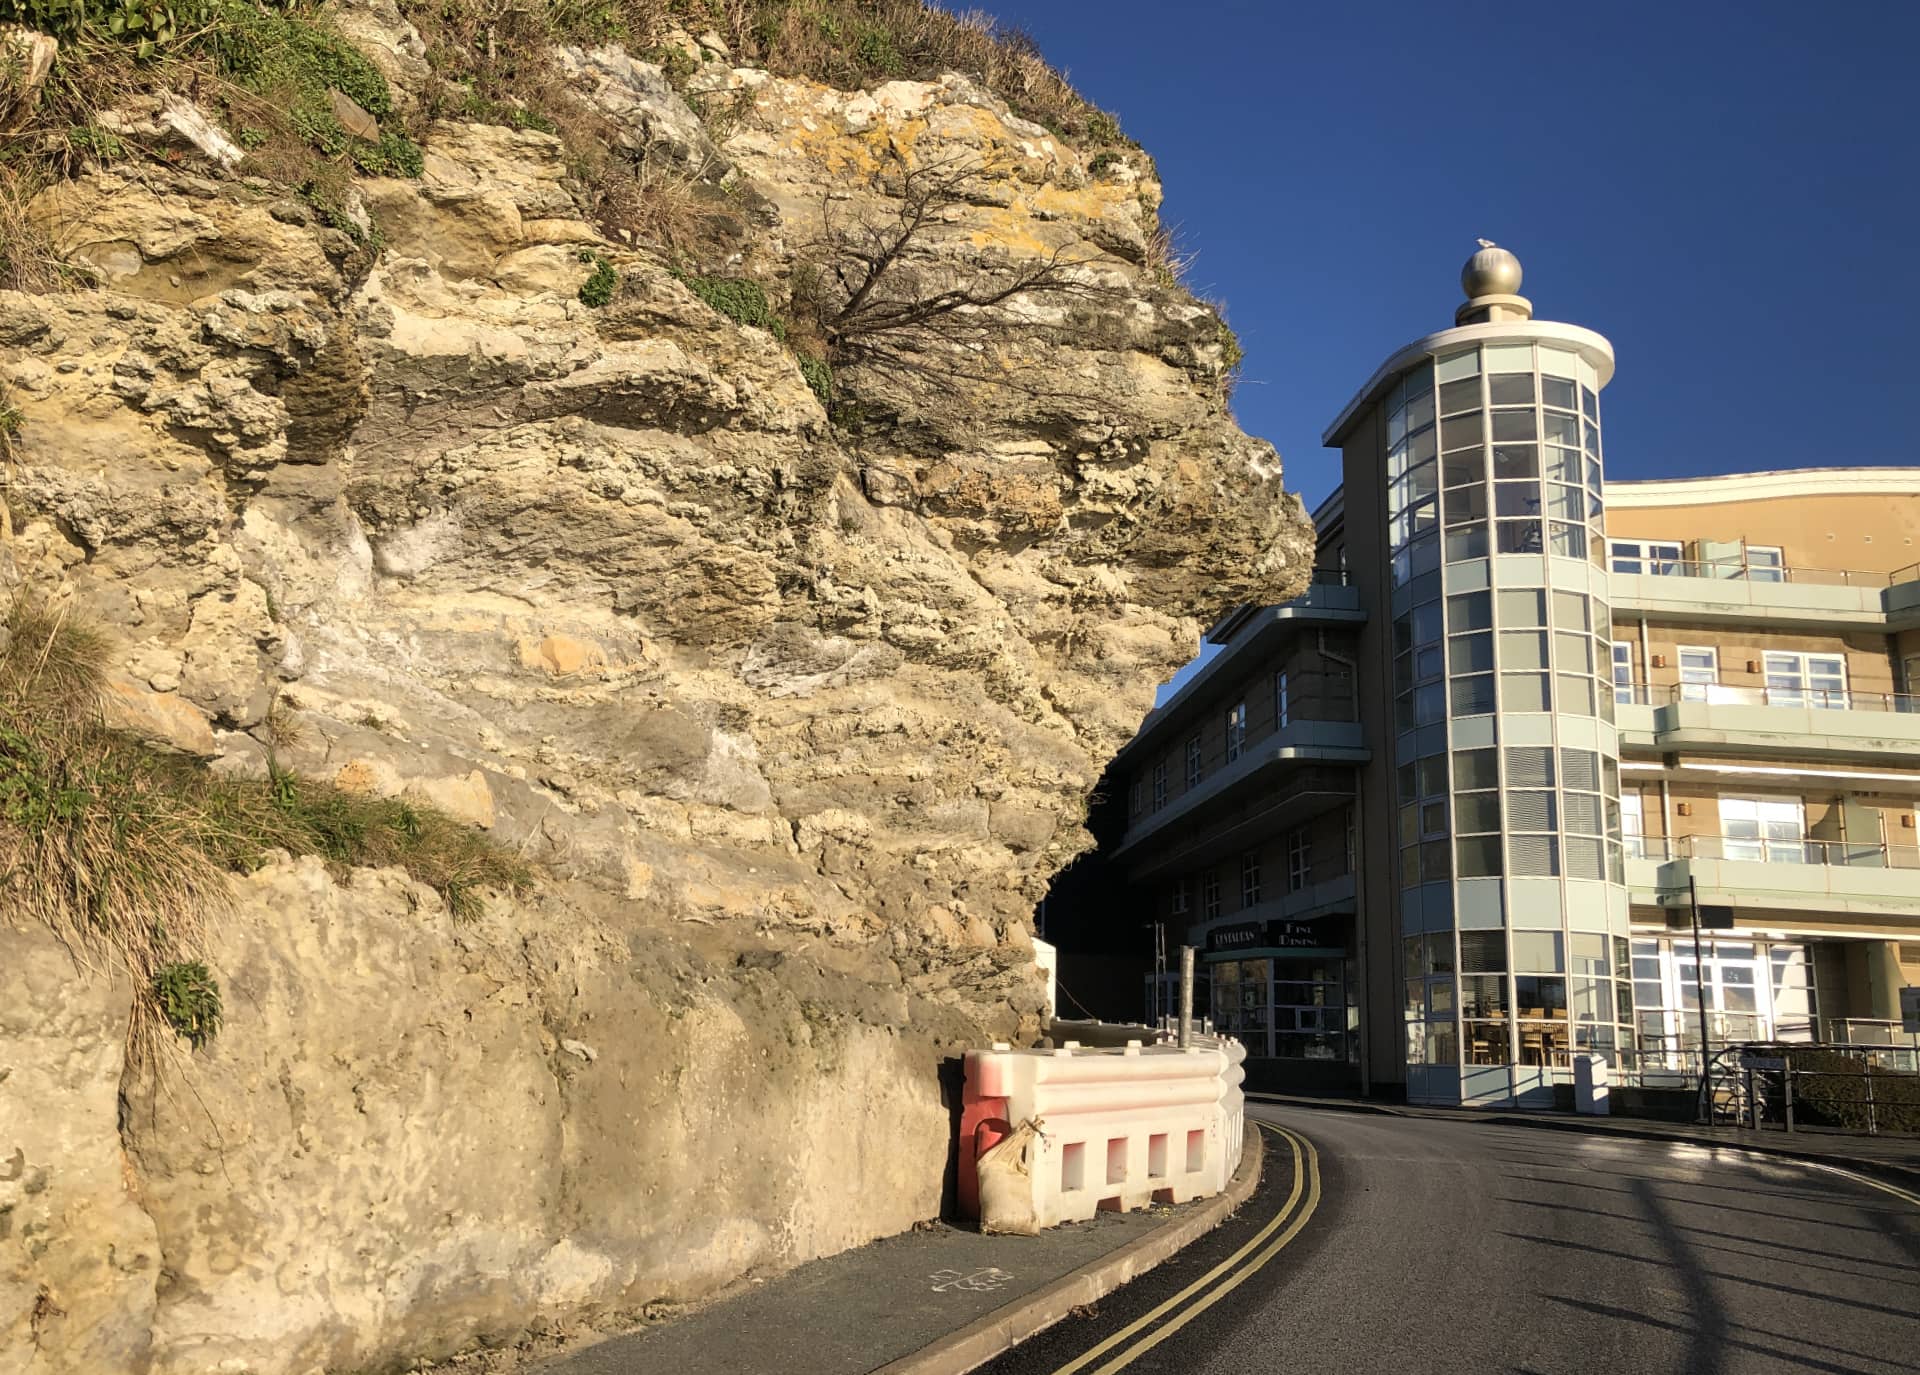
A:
124,853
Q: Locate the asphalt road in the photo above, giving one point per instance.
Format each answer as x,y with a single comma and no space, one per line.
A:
1438,1246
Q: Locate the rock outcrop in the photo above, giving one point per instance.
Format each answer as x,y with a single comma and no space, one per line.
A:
797,718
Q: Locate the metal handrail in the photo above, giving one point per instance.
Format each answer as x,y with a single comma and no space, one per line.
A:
1328,577
1789,850
1911,573
1825,699
1757,1084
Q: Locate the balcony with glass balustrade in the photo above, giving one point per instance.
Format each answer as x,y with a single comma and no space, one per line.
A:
1768,722
1654,579
1769,867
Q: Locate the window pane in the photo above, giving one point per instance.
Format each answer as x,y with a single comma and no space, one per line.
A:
1469,611
1466,503
1566,503
1523,648
1538,996
1473,696
1483,952
1516,460
1555,391
1463,395
1477,812
1463,431
1535,855
1466,542
1522,606
1529,766
1516,498
1420,408
1517,537
1569,611
1472,653
1561,429
1511,426
1486,1043
1510,388
1538,952
1474,769
1532,809
1565,465
1469,465
1579,769
1483,995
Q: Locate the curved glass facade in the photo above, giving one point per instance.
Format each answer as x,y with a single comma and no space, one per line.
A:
1507,777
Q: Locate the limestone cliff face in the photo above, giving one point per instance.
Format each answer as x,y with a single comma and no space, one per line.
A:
798,719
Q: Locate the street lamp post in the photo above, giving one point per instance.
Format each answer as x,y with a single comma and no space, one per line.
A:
1699,989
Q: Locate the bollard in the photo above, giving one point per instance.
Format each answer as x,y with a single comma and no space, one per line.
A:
1186,995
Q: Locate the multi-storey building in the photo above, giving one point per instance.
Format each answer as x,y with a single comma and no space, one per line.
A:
1441,822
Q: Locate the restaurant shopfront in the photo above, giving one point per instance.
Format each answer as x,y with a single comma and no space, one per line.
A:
1286,988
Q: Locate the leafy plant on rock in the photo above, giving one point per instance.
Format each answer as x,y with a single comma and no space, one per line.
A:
188,998
598,290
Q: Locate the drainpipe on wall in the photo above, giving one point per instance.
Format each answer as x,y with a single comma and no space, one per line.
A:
1359,871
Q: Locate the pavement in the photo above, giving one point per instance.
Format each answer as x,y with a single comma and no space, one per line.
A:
932,1302
1459,1244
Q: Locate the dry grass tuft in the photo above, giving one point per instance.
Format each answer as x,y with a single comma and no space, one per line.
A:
28,261
124,853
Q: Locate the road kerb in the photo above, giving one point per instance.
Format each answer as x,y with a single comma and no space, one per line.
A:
1006,1327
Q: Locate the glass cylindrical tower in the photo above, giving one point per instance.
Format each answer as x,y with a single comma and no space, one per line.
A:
1504,807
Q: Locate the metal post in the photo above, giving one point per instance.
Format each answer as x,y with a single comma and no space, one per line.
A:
1786,1080
1186,995
1700,992
1866,1071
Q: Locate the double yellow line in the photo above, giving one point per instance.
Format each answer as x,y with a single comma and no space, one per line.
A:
1217,1283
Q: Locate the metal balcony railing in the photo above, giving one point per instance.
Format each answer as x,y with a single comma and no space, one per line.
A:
1329,577
1864,1031
1713,694
1744,571
1775,850
1825,699
1310,698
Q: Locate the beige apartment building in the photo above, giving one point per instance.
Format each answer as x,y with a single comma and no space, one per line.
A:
1440,824
1766,653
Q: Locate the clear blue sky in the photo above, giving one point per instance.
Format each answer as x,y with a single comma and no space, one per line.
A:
1731,193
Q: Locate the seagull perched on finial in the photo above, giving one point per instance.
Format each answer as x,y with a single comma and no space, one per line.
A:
1486,243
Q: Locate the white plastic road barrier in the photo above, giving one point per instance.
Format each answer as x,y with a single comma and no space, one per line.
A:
1051,1136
